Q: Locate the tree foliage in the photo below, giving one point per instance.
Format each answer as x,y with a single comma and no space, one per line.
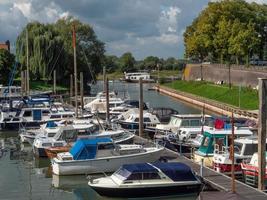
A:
50,48
227,30
6,62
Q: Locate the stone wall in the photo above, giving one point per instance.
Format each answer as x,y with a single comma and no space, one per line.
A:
239,75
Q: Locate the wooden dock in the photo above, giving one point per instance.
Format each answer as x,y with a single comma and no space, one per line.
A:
217,180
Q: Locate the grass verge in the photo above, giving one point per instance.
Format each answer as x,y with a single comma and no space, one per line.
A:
221,93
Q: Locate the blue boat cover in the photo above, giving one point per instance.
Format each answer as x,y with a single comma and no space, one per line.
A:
51,124
139,167
176,171
87,148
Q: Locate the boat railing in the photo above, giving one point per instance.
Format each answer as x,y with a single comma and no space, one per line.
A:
218,149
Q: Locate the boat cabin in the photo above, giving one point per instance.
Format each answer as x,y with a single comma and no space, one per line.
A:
212,137
187,120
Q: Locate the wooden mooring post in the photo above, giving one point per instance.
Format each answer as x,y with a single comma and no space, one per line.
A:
233,155
71,86
262,133
107,100
81,89
141,106
54,81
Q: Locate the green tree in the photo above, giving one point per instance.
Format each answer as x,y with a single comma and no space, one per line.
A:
150,62
127,62
6,62
50,48
226,29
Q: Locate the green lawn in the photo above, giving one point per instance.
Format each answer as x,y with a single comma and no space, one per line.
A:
44,86
221,93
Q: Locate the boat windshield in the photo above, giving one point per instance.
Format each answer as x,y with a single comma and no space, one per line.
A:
238,148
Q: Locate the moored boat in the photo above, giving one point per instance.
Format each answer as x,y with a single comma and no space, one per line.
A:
251,169
149,180
101,155
214,136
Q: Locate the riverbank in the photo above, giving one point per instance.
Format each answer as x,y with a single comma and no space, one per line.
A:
214,106
243,98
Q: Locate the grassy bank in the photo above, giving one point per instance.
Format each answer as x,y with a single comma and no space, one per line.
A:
44,86
221,93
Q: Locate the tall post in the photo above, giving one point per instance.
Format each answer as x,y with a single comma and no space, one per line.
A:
22,83
239,98
262,132
158,73
141,106
104,78
75,70
25,82
107,99
229,75
54,81
27,71
81,89
71,88
233,156
201,72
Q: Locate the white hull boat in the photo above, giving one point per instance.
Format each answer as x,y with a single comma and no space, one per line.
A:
105,160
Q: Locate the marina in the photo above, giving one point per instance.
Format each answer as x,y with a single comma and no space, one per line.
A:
15,155
112,101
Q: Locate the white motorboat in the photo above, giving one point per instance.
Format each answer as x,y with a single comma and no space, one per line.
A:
101,155
244,149
135,76
130,120
149,180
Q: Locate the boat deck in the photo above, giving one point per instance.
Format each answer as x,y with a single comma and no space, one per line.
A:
216,180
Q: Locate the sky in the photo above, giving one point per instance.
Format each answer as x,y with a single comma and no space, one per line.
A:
142,27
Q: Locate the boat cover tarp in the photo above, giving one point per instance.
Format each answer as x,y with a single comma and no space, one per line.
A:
87,148
139,167
51,124
176,171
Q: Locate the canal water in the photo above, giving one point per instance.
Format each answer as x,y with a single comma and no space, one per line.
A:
22,176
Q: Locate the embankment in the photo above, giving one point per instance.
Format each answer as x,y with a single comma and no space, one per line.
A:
214,106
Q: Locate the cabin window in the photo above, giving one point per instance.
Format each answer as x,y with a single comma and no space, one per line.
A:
195,122
27,113
51,134
250,149
58,145
136,120
47,144
15,119
45,112
146,119
238,148
69,135
105,146
55,116
185,123
206,142
152,175
135,176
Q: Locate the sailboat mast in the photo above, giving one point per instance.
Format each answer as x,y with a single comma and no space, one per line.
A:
75,69
27,71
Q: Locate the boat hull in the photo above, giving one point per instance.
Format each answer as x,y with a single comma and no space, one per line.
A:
39,152
106,164
152,191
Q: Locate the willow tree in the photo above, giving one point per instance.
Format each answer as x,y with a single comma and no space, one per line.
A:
50,48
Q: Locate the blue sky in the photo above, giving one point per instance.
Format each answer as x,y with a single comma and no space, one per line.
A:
143,27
